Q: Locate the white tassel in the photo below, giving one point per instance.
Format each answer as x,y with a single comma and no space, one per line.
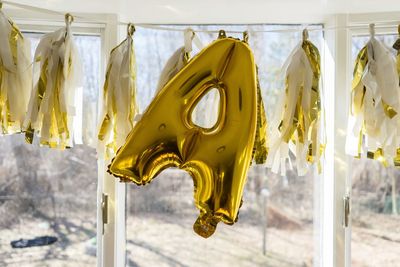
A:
374,116
55,108
179,58
175,63
15,76
297,126
119,101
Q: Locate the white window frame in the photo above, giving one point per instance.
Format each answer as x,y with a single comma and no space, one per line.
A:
338,67
335,238
111,244
334,241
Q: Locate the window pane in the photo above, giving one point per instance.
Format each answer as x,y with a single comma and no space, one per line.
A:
160,215
375,224
48,192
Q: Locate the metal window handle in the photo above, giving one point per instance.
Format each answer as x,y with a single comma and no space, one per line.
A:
346,209
104,209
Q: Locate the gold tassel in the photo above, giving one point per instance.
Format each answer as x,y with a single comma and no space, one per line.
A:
119,97
260,143
177,61
298,127
373,123
316,148
54,104
15,76
396,46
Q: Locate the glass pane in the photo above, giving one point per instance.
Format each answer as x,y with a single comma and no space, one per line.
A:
375,221
277,211
48,192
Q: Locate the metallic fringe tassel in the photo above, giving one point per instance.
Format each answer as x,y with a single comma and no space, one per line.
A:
119,98
298,126
396,46
260,145
15,76
55,106
374,131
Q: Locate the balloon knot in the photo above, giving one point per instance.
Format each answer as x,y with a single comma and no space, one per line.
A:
205,225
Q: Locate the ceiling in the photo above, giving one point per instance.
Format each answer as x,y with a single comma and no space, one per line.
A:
219,11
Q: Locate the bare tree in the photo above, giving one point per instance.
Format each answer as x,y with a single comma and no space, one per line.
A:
394,193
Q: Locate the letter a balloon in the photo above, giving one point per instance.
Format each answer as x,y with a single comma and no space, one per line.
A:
217,158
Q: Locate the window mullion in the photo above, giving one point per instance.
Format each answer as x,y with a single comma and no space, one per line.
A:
336,245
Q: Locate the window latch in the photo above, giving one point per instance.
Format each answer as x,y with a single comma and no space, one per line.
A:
346,210
104,209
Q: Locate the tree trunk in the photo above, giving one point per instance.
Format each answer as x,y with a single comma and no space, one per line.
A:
394,193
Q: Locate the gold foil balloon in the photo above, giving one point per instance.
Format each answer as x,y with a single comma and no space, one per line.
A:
218,158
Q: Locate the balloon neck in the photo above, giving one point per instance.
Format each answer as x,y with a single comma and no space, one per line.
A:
205,225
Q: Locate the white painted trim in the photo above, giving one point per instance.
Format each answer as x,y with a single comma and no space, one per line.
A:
328,74
99,221
334,243
387,23
34,22
38,18
335,237
383,18
341,160
108,247
113,249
